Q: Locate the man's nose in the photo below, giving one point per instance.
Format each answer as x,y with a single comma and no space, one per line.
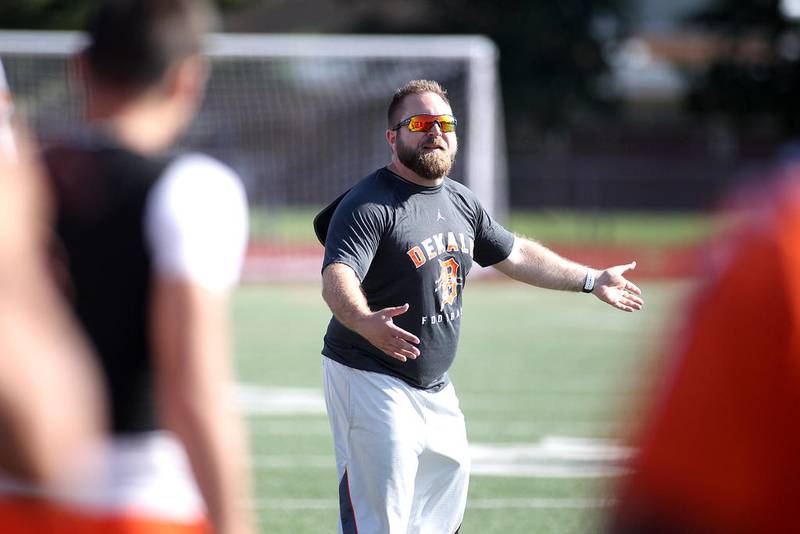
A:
436,129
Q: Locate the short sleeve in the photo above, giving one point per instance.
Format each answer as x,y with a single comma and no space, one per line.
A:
354,234
493,243
196,223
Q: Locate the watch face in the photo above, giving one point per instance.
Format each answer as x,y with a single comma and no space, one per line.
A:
588,283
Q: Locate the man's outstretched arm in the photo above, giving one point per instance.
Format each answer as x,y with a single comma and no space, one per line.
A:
535,264
341,290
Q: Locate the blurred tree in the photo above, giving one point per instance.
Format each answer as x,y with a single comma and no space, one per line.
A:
553,55
45,14
755,78
61,14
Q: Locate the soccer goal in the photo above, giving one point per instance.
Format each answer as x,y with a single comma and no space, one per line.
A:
300,117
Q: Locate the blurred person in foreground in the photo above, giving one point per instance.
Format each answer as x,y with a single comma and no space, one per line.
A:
148,246
718,450
51,408
398,248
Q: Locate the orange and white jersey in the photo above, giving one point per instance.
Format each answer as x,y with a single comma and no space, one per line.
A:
719,451
133,482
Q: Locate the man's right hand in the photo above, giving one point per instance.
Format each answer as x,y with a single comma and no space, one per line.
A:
379,329
341,290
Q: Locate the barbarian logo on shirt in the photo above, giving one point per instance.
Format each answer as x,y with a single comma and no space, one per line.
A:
448,281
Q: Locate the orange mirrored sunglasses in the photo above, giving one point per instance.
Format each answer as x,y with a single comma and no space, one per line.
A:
423,123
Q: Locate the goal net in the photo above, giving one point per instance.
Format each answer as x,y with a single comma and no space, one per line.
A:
300,118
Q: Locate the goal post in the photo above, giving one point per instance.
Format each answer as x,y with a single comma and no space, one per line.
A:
300,117
478,93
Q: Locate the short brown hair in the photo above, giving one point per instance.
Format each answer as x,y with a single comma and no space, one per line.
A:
133,43
414,87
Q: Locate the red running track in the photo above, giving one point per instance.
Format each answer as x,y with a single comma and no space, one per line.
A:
274,262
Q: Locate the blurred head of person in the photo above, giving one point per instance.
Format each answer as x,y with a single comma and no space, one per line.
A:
143,68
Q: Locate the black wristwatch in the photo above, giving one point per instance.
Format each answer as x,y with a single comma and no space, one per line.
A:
588,282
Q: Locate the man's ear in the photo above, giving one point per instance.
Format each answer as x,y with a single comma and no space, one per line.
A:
187,79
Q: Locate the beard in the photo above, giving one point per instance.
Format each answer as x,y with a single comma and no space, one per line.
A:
431,164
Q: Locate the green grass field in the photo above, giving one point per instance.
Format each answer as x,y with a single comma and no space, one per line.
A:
561,226
533,367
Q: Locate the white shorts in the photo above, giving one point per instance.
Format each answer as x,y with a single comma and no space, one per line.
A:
146,475
401,453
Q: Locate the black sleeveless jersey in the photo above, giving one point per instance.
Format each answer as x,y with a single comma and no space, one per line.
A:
101,259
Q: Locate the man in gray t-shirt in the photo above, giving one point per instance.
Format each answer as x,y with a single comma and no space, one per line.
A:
398,248
416,244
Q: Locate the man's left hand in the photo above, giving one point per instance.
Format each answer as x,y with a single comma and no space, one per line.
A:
611,287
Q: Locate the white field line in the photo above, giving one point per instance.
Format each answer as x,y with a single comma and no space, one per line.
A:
542,469
552,457
545,471
317,425
553,448
262,427
526,428
257,400
254,399
286,461
548,503
473,504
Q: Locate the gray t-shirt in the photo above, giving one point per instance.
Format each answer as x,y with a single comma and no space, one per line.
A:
415,244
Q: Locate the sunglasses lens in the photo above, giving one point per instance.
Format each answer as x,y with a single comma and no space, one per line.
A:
423,123
448,123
